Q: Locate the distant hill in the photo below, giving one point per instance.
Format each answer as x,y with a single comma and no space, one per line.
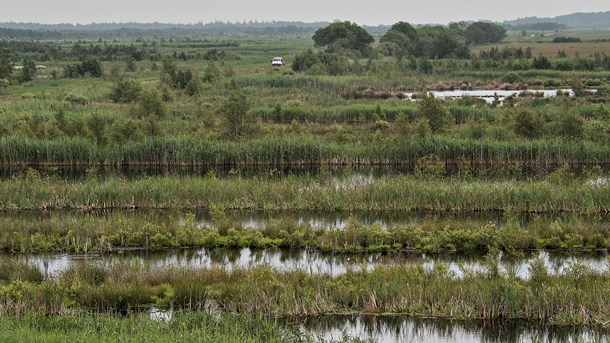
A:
598,20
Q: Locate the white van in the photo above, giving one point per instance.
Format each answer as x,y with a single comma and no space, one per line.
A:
277,62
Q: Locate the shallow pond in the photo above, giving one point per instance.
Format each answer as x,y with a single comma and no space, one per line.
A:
314,262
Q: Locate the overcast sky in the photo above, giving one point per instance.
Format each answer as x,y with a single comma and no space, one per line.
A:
370,12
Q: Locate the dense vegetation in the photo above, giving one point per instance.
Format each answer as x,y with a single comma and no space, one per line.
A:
142,97
91,233
569,299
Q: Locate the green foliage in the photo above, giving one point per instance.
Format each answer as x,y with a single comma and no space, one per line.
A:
126,91
512,78
234,111
381,125
28,70
572,125
430,166
484,33
304,60
340,36
567,40
76,99
441,42
541,62
212,74
149,104
527,124
6,63
88,66
432,109
97,125
403,36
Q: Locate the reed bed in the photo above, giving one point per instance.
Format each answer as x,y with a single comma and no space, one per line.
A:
577,297
401,193
296,150
83,233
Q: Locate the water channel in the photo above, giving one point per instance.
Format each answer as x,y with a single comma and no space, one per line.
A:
315,262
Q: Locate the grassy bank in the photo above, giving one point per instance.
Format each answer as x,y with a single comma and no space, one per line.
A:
90,233
400,193
297,150
575,298
187,327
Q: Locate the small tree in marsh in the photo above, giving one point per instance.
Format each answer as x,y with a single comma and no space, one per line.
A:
528,125
6,63
234,112
149,105
431,109
126,91
28,72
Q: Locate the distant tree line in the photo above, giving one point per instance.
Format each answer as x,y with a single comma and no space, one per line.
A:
537,27
567,40
438,41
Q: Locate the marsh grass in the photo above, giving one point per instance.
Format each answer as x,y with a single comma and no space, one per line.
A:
400,193
102,327
91,233
575,298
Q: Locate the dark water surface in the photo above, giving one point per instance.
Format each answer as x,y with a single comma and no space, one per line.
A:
401,329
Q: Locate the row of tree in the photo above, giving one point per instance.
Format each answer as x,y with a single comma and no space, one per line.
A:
405,40
439,41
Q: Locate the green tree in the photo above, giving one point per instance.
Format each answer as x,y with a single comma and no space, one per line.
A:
91,66
6,63
305,60
343,36
235,114
150,104
441,42
572,125
431,109
28,71
130,65
126,91
4,83
527,125
484,33
97,126
403,36
168,70
541,62
212,73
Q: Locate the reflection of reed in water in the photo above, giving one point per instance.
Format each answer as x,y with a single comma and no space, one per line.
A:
404,329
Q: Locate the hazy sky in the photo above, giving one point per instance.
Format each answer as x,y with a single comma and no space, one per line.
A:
359,11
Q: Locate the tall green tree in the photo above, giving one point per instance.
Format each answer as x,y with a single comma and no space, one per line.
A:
343,36
6,63
404,36
28,72
484,33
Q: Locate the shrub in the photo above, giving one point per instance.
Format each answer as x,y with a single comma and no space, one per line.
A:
76,99
126,91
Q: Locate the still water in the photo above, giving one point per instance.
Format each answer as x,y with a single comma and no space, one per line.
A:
315,262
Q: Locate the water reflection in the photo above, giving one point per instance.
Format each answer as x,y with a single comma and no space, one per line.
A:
317,220
315,262
403,329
